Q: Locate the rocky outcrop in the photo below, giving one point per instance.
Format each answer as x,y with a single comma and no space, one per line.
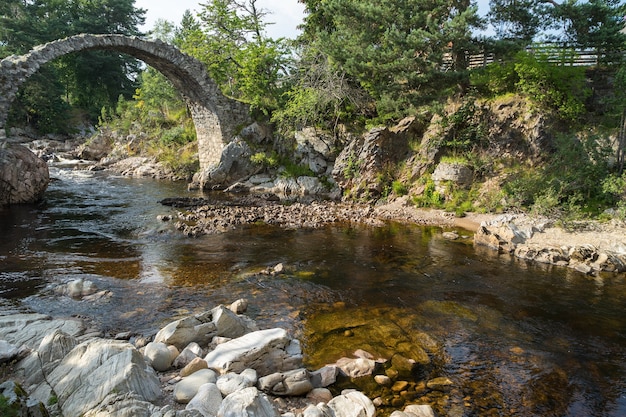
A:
514,234
358,167
95,369
23,176
457,173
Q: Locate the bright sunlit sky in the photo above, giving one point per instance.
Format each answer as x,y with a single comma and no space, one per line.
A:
285,14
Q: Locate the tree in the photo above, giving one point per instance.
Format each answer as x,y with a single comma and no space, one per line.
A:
596,24
230,39
89,80
518,21
396,51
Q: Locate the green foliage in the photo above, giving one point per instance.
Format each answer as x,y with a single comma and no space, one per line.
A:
353,166
293,170
399,188
596,24
38,104
268,161
520,19
6,409
430,197
495,79
86,81
615,186
394,50
556,88
570,183
562,88
463,129
229,39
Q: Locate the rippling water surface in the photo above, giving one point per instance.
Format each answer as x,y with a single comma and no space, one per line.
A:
515,339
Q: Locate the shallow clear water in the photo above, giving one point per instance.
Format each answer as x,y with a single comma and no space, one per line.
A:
516,339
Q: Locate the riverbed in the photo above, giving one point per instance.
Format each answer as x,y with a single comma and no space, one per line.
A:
514,338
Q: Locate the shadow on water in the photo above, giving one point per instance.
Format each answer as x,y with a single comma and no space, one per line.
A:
514,339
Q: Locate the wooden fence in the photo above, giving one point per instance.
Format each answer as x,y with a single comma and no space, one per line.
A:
554,53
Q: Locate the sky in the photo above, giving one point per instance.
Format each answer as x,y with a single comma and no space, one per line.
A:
286,14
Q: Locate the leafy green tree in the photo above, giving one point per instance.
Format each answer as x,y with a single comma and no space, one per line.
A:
229,37
518,21
596,24
402,55
90,80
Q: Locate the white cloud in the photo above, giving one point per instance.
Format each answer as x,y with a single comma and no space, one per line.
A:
286,14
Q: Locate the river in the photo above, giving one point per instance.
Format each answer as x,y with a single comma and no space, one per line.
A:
515,339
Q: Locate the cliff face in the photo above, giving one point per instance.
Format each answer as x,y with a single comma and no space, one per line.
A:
505,129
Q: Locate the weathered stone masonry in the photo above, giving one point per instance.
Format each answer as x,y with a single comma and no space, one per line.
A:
216,117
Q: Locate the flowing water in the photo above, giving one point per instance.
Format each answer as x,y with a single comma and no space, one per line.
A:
514,339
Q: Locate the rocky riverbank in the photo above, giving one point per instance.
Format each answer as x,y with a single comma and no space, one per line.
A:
217,363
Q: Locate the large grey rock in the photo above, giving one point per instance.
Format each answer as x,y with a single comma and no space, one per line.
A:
232,382
352,404
29,329
188,387
123,405
229,324
158,355
23,176
51,351
246,403
201,328
207,401
322,144
95,369
457,173
234,165
97,147
291,383
358,166
266,351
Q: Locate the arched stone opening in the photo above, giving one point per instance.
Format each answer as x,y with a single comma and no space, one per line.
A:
216,117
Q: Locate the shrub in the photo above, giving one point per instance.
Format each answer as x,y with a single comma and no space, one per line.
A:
562,88
266,160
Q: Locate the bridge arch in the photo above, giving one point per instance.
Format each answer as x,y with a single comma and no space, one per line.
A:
215,116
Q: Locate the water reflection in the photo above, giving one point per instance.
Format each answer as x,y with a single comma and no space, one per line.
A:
515,338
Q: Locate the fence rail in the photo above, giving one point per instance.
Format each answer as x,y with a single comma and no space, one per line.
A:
553,53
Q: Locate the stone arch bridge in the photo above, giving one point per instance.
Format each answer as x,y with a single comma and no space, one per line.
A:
216,117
